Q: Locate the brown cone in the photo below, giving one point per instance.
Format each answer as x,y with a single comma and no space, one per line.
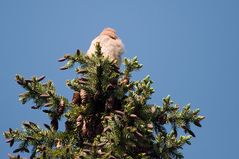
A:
76,99
83,96
54,124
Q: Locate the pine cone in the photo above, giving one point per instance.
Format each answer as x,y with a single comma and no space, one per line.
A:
61,107
76,99
79,121
83,96
54,124
84,128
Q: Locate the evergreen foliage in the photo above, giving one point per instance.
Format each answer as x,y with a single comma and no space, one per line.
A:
109,116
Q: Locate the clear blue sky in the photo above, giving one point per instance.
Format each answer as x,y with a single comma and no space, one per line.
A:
190,49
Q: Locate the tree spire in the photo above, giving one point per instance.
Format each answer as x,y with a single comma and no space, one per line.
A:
109,115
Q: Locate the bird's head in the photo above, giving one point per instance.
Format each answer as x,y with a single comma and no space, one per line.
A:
109,32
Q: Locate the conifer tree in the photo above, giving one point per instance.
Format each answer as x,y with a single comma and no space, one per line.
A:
109,116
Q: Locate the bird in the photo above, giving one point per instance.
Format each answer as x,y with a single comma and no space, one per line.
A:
111,45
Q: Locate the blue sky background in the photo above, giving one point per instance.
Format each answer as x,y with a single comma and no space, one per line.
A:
190,49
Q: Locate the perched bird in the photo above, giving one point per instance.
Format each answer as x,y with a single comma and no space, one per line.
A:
111,46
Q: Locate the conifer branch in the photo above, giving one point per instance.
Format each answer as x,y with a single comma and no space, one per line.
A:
109,115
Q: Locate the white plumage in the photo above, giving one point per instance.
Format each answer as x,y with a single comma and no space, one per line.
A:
111,45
